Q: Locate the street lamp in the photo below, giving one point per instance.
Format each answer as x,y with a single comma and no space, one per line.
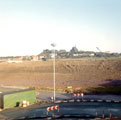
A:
53,45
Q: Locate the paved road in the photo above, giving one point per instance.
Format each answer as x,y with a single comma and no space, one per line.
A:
82,109
42,95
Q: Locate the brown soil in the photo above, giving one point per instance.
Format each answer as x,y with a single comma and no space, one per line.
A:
73,72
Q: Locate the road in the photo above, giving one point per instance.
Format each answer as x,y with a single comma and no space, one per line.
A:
45,95
81,109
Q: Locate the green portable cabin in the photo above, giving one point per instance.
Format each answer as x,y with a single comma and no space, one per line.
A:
13,97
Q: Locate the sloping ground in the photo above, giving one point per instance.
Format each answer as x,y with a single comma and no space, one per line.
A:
74,72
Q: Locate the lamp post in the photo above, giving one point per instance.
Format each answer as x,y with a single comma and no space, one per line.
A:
53,45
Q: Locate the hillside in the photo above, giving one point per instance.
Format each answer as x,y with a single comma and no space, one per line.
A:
87,73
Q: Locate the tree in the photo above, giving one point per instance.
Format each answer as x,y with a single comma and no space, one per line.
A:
74,50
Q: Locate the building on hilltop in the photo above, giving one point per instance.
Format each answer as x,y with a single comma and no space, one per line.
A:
35,58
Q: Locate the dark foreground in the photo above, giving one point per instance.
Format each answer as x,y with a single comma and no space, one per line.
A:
99,106
72,110
81,110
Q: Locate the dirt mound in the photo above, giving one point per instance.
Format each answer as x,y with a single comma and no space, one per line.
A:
71,72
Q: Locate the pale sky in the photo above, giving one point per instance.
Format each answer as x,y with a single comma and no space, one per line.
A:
29,26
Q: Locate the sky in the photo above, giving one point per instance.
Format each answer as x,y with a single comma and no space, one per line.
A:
29,26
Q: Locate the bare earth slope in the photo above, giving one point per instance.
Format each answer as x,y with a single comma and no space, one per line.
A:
77,72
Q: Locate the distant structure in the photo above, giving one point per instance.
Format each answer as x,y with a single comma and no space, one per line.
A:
35,58
48,54
75,53
74,50
13,61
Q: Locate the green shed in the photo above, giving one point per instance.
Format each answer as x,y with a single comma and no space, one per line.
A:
13,97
